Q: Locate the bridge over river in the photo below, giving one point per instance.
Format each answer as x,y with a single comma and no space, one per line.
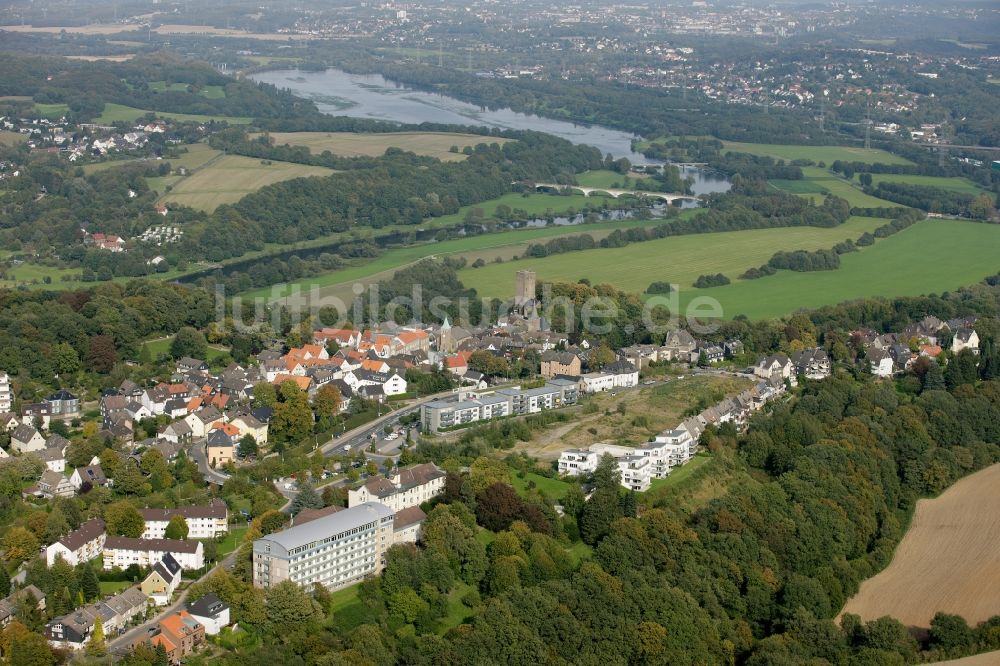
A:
615,193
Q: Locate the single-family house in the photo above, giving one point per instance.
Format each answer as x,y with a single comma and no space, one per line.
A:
26,439
211,612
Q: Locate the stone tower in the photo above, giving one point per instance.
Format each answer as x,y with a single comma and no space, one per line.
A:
446,343
525,293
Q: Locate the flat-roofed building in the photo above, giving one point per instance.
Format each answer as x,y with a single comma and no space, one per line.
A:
335,550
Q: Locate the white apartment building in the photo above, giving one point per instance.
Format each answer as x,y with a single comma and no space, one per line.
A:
123,551
407,488
81,545
578,461
204,522
336,550
6,393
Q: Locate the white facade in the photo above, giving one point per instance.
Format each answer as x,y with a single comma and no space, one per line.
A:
335,551
577,461
80,545
204,522
6,394
596,382
407,488
123,551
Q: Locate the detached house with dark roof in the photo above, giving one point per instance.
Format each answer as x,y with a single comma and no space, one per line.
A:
26,439
162,581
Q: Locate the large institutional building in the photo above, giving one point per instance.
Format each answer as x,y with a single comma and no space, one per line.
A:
336,550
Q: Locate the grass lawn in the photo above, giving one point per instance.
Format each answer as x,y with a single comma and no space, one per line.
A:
457,611
486,245
52,111
210,92
826,154
677,476
432,144
161,347
798,186
553,488
954,184
606,178
110,587
932,256
677,259
231,177
579,551
33,276
348,611
119,112
232,541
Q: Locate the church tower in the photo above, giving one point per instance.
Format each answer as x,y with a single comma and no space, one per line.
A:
446,344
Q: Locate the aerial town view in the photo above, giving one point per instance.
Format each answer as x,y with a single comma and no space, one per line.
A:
516,334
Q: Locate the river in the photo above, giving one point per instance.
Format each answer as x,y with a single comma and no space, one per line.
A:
373,96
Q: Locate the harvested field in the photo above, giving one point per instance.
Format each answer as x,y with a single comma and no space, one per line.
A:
229,178
351,144
984,659
948,561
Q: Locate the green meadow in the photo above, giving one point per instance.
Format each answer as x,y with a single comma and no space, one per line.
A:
677,259
121,113
826,154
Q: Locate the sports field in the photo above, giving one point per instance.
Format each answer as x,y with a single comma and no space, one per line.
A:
826,154
932,256
229,178
678,259
351,144
121,113
946,562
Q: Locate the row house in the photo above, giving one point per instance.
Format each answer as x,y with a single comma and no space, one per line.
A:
124,551
73,630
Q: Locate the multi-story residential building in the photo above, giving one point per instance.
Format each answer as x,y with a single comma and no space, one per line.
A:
812,363
81,545
6,393
335,550
559,363
408,487
179,633
123,551
578,461
471,406
204,522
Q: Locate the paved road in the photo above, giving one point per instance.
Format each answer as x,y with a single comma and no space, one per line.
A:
361,435
199,454
123,644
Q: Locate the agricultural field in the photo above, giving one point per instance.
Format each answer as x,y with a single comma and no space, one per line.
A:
52,111
231,177
826,154
611,179
352,144
825,181
984,659
487,247
932,256
631,417
210,92
947,561
120,113
678,259
33,276
94,58
956,184
12,138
